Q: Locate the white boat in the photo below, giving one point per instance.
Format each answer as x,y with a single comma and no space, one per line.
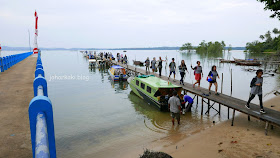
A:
92,62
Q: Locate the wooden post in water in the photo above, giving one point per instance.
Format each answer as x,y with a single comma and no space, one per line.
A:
202,105
266,128
233,114
221,92
231,82
208,106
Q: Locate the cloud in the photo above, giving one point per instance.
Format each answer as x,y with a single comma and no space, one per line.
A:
133,23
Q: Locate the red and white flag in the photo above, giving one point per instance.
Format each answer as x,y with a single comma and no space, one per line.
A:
35,50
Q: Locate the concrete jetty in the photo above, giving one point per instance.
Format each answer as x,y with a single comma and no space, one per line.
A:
16,91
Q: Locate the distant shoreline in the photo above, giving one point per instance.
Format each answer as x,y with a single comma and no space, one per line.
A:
6,48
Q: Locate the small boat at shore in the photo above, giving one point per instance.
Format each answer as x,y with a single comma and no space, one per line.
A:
226,61
245,60
140,63
117,73
249,63
154,90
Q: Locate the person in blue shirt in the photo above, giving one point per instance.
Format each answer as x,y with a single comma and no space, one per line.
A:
187,104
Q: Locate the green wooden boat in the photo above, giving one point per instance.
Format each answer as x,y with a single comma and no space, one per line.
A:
154,90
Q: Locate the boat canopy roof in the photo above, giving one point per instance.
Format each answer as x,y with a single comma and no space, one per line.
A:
117,67
155,81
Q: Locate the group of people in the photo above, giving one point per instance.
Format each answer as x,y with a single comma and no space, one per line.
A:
122,59
176,108
211,78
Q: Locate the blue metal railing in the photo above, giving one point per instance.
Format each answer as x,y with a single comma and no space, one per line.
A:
41,117
10,60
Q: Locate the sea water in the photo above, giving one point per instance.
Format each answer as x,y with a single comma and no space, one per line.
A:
96,117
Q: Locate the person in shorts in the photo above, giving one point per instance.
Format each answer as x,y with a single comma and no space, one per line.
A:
197,73
213,74
172,67
153,63
174,106
256,89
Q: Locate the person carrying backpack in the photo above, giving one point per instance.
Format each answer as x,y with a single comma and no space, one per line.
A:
256,89
172,67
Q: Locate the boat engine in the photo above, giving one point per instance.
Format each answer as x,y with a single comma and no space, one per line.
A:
121,76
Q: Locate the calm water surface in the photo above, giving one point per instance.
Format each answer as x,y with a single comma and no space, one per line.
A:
95,117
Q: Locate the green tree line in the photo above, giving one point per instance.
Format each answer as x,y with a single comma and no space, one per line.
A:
206,47
268,43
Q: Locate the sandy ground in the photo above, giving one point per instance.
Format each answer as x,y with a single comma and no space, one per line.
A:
244,139
16,91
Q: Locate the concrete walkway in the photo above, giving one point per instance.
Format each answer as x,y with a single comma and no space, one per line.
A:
16,91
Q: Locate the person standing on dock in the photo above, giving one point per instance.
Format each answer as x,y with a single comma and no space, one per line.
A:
147,64
197,73
172,67
212,76
256,89
125,59
174,106
182,69
153,63
118,57
160,66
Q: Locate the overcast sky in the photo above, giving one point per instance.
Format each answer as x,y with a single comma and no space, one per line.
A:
132,23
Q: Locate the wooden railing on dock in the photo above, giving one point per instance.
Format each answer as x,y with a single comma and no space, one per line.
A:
271,117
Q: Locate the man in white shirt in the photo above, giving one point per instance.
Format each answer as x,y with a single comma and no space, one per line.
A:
174,107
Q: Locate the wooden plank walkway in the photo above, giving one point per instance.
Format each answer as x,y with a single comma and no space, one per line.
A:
271,117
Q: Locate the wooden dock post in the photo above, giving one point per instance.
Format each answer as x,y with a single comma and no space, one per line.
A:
266,128
230,81
202,100
221,92
233,114
208,106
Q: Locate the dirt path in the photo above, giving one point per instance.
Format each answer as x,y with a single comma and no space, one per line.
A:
16,91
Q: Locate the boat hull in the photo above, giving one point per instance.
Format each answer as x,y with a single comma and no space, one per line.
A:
118,77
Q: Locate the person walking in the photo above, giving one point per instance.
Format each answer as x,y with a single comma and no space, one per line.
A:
197,73
153,63
160,66
172,67
212,76
256,89
182,69
147,64
174,106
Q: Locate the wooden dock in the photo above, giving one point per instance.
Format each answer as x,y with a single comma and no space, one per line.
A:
271,117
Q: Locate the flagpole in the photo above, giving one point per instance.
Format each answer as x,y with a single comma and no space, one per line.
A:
29,40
